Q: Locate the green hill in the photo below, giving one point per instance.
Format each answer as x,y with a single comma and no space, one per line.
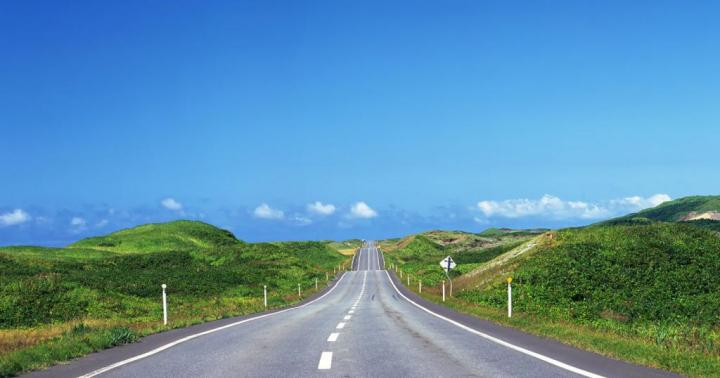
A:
178,235
420,254
664,272
673,211
59,303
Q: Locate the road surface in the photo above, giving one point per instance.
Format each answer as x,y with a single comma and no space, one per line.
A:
366,325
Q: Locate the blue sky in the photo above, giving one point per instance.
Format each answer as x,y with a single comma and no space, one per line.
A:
403,116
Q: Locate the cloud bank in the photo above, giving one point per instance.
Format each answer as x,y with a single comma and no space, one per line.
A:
549,206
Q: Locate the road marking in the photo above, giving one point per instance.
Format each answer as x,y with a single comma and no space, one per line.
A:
340,325
351,312
333,337
530,353
196,335
347,317
325,361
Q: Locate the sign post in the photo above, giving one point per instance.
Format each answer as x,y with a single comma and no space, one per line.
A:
447,264
164,304
265,295
509,281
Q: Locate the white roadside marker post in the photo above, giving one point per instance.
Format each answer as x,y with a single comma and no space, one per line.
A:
327,277
164,305
265,295
420,286
401,274
509,281
408,280
316,285
443,290
299,294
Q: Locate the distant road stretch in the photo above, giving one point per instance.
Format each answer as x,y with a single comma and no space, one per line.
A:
367,325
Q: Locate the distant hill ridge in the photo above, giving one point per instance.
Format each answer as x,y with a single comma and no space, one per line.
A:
156,237
682,209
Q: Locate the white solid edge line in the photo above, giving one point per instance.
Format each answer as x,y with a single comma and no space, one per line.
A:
186,338
325,361
499,341
333,337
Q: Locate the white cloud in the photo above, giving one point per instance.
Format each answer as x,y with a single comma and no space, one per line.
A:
266,212
641,203
552,207
102,223
547,206
78,222
321,209
171,204
14,217
362,210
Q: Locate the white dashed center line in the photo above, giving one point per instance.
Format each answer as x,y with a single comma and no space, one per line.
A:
326,357
325,361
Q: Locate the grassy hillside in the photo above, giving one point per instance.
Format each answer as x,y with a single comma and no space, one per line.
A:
645,292
419,255
662,273
673,211
60,303
172,236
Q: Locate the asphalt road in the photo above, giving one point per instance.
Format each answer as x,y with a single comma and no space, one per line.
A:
366,325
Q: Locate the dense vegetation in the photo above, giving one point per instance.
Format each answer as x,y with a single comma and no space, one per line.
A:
100,289
662,273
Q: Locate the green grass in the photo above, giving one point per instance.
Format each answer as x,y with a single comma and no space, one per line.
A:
172,236
54,253
345,245
420,255
114,281
647,293
672,211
